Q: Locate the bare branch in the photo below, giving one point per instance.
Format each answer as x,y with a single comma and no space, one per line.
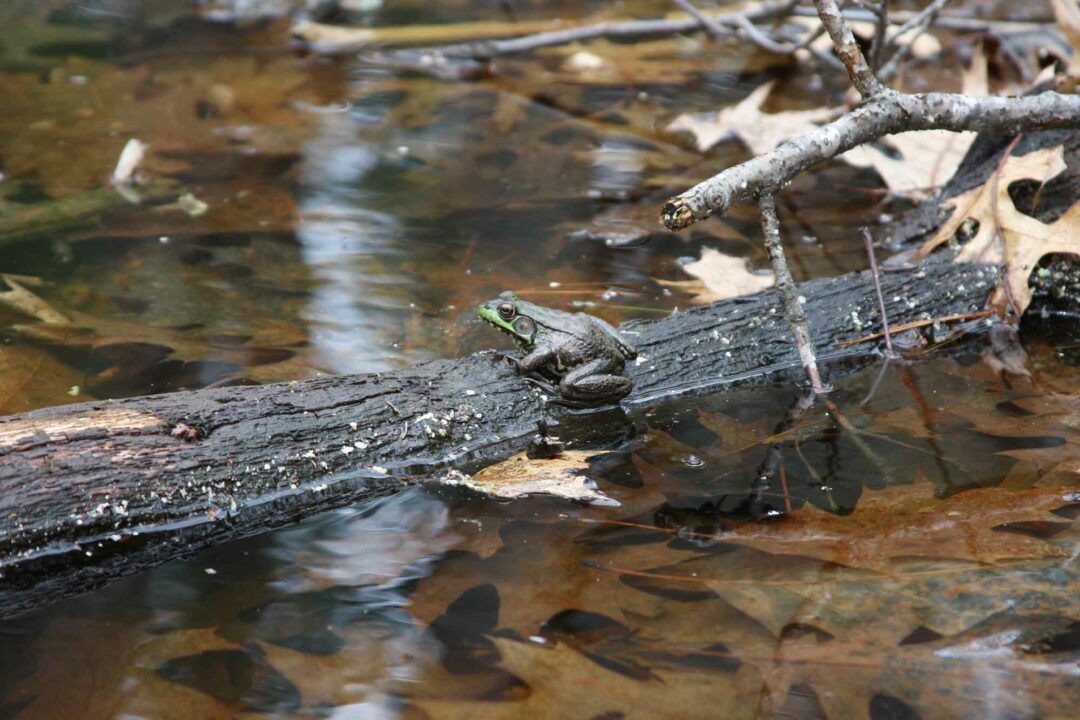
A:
921,24
948,22
710,26
862,77
921,19
880,35
889,112
328,39
789,295
869,240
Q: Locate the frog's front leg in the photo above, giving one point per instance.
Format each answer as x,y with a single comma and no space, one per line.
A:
594,382
536,360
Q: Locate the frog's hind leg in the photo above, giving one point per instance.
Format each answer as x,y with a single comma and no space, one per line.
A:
594,383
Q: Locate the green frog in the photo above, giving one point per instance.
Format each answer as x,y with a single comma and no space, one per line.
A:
583,353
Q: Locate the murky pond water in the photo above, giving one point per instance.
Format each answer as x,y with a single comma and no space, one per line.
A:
904,549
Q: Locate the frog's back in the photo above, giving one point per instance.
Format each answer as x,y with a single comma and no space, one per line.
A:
628,351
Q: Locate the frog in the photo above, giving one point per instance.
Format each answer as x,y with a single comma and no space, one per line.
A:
582,353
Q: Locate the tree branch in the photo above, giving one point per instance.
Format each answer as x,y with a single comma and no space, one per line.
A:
331,39
880,34
888,112
789,295
862,77
920,24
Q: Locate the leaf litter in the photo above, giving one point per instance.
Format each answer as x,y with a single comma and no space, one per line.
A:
907,599
692,623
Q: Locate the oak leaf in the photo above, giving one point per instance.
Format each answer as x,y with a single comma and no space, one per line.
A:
719,276
760,131
1007,236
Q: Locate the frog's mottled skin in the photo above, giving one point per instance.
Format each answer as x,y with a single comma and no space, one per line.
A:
585,354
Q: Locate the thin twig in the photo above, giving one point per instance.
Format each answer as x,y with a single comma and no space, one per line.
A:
620,30
785,284
889,352
710,26
948,22
756,36
917,324
995,182
877,382
921,19
921,23
880,35
856,436
862,77
772,466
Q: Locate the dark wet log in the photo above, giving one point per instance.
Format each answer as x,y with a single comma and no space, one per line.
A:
96,491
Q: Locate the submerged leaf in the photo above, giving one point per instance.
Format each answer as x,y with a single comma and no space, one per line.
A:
906,521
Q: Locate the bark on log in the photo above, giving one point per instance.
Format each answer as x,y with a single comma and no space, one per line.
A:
92,492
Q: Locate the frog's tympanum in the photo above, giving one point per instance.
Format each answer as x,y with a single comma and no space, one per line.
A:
583,353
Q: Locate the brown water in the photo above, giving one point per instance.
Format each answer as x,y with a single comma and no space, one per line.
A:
911,556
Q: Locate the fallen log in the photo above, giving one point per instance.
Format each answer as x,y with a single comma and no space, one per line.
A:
96,491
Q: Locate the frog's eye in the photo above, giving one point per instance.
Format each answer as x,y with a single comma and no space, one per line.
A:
524,326
506,310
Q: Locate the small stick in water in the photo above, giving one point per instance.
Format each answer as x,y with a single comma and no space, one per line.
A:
889,352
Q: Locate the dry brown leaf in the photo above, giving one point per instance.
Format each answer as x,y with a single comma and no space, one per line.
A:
908,521
1046,416
925,673
719,276
1007,236
520,476
760,131
905,420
